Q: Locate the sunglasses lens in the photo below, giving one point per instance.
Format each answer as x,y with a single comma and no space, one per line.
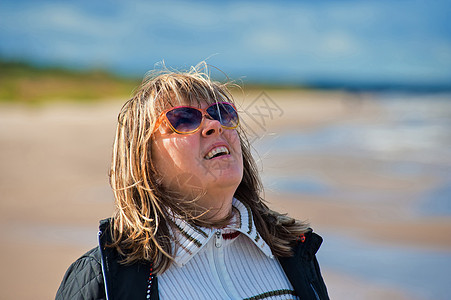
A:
184,119
225,113
188,119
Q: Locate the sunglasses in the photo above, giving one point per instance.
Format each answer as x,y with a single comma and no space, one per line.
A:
188,119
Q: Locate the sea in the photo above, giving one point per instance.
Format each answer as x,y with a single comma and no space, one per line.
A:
410,141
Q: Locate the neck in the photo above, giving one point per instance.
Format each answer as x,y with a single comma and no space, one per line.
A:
218,206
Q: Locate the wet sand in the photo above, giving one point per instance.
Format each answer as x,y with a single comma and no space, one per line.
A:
54,188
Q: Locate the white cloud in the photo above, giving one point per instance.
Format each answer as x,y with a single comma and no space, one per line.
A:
339,44
323,37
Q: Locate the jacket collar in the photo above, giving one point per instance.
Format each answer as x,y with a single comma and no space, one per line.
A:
190,239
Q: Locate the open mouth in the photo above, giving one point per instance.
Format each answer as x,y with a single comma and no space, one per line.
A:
216,152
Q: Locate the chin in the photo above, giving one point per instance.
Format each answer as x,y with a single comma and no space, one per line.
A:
233,181
226,177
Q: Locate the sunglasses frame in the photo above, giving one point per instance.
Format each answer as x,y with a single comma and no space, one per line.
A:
163,118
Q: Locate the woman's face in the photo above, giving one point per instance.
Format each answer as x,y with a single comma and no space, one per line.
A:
186,165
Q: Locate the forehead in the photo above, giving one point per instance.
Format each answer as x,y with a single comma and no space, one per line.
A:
200,102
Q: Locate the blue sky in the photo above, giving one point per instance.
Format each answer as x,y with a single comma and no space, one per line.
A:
294,41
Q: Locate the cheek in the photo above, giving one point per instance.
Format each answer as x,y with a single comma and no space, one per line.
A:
159,157
170,154
234,141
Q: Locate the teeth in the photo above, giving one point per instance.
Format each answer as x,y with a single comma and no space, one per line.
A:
215,151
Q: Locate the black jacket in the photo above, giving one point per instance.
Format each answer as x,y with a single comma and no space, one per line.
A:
98,273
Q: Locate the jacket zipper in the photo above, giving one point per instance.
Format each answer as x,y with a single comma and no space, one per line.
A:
218,245
103,264
218,237
316,294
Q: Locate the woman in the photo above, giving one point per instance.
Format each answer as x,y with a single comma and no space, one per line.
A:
189,221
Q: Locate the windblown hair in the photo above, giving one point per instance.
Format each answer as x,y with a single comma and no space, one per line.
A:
142,218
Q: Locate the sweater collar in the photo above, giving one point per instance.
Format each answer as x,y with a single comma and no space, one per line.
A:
190,239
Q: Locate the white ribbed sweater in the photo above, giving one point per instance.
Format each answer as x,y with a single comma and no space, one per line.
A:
229,263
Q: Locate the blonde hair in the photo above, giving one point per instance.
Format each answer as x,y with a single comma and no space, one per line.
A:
140,226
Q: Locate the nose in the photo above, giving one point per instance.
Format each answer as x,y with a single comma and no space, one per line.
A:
211,127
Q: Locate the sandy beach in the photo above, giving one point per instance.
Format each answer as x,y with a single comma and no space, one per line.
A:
54,187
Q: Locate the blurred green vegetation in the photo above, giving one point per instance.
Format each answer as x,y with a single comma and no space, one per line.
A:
25,83
22,82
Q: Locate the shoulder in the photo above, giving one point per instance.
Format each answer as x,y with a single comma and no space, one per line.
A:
307,245
302,268
304,248
83,279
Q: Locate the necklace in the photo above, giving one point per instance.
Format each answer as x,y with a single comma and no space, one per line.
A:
149,283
